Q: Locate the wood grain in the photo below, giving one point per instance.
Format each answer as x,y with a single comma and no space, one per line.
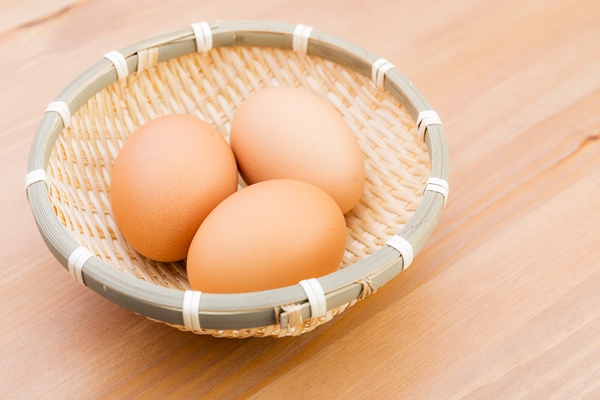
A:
502,303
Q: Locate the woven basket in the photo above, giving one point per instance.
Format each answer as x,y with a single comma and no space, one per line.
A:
207,71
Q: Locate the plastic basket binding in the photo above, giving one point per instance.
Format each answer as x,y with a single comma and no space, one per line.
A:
207,71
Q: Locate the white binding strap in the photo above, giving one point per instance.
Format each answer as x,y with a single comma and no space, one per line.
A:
191,309
119,62
34,176
203,35
438,185
378,70
62,109
300,38
404,247
76,261
426,118
316,297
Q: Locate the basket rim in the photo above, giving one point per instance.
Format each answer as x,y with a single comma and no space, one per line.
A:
243,310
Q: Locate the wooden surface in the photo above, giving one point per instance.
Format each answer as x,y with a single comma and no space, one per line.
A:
504,300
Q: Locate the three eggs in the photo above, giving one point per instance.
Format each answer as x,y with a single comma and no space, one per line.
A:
174,192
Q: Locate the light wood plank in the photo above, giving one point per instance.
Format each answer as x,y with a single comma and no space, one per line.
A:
501,303
19,14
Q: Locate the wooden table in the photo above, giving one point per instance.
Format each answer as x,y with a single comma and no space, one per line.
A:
504,300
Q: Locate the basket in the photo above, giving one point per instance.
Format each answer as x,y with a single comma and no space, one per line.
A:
207,70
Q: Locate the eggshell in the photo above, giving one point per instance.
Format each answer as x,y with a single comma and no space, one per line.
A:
168,176
268,235
287,132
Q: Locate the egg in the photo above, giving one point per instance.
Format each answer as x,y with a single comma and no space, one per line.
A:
168,176
291,133
268,235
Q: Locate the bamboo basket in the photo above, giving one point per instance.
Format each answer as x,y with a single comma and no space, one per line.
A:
207,70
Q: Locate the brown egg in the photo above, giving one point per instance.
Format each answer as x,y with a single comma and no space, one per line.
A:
268,235
292,133
169,175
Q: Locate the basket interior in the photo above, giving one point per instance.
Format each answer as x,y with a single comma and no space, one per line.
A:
211,86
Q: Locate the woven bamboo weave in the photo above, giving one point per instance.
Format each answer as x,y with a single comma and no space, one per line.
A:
84,128
211,86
